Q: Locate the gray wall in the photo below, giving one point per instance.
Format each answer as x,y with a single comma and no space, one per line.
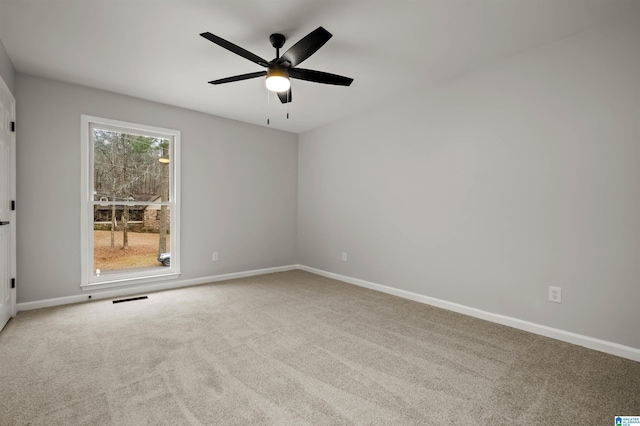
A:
238,192
7,71
487,190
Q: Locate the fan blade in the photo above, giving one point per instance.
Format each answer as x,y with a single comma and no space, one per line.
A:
319,77
285,96
235,49
239,77
306,47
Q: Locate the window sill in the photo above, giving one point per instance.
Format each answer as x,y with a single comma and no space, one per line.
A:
128,281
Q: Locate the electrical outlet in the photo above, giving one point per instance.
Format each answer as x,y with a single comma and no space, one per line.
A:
344,256
214,256
555,294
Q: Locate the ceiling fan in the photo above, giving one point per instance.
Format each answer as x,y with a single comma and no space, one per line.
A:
280,69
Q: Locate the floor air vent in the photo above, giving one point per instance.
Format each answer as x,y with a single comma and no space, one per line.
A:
130,299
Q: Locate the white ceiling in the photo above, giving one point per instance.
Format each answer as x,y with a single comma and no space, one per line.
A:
152,49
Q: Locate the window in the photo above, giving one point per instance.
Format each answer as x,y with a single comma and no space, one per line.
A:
130,203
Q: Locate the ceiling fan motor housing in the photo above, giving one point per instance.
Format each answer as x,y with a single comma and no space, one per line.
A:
276,70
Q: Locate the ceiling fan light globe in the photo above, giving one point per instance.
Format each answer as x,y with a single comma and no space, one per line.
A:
277,83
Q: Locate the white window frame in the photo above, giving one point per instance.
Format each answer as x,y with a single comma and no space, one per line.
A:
134,277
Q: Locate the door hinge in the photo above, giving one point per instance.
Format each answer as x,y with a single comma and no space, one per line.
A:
13,126
13,204
13,283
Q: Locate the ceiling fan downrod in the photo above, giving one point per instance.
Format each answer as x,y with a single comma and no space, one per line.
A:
277,40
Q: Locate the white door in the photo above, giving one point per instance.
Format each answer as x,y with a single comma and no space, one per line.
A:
7,215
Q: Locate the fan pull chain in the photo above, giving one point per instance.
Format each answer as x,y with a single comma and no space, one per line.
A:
268,99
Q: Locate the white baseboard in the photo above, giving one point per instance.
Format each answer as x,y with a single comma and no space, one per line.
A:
143,288
554,333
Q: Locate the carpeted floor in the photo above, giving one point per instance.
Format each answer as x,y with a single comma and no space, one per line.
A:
295,348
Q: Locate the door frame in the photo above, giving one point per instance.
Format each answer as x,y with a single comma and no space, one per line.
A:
12,190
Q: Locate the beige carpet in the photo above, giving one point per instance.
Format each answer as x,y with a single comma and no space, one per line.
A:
294,348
